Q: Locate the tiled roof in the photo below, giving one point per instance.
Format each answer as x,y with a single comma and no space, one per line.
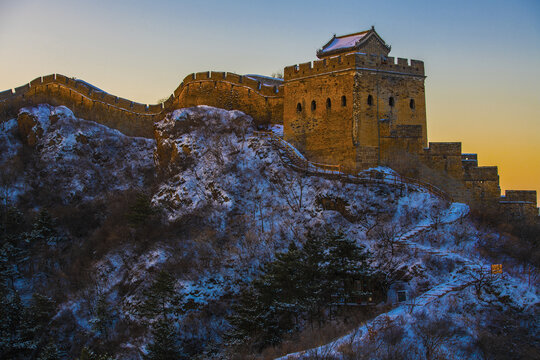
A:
344,42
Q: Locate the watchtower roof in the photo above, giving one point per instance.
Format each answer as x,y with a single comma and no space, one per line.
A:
352,42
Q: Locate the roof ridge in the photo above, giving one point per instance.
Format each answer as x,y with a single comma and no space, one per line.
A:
357,33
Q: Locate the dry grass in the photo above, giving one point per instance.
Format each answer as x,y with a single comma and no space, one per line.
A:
314,336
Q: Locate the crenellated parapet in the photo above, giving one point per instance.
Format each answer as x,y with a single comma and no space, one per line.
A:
77,90
469,160
226,90
260,88
520,203
355,61
444,156
263,102
86,101
481,181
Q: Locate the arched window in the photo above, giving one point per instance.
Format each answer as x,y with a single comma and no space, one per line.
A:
370,100
343,100
328,103
298,107
313,105
391,101
412,105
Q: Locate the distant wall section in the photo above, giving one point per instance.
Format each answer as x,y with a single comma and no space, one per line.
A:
224,90
131,118
520,203
264,103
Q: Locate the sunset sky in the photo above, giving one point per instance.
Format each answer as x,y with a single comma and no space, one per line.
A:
482,58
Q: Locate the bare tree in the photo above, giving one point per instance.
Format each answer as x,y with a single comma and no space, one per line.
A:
371,222
461,234
388,236
291,188
436,214
412,304
432,332
482,279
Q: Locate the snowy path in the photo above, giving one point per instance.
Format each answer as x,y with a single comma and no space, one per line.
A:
293,158
460,280
357,334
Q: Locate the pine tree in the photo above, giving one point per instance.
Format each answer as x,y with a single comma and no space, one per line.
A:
141,210
11,310
12,257
278,286
299,285
346,264
43,230
41,311
43,237
34,327
164,345
50,352
87,354
160,297
11,223
104,317
245,320
271,306
313,278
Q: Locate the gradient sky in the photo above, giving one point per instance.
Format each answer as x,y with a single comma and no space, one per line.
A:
482,58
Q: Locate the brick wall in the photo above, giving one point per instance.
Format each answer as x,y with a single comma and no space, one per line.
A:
231,91
131,118
349,135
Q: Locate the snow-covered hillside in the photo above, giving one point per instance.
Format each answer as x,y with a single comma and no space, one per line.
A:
72,158
223,202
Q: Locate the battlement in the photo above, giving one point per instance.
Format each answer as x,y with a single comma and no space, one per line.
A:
444,149
99,105
520,203
257,87
76,89
469,160
481,173
469,157
87,101
355,61
521,196
227,90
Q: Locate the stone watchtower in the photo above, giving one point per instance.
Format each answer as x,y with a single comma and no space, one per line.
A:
355,106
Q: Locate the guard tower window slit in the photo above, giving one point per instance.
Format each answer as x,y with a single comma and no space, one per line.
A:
328,103
370,100
391,102
343,100
313,105
412,105
298,107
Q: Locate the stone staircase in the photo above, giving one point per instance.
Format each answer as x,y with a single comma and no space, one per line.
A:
460,280
293,158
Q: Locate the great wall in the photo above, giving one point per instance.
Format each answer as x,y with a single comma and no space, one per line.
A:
219,89
355,107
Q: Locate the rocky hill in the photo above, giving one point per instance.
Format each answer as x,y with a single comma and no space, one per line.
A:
124,244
